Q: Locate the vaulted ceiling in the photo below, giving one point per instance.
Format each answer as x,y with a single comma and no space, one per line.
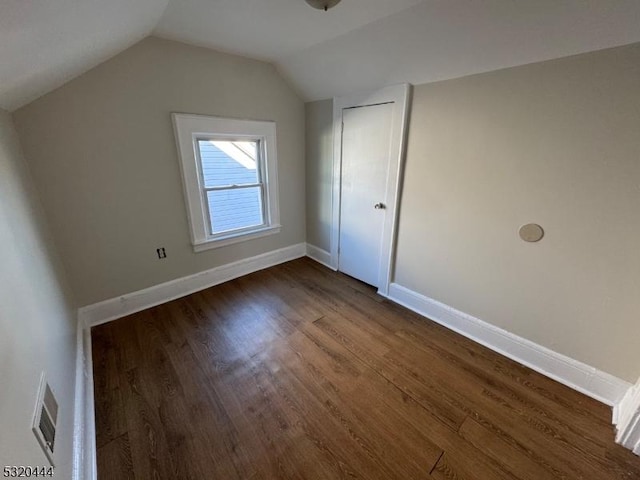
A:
44,44
358,44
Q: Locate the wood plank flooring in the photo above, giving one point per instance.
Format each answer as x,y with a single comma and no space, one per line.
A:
297,372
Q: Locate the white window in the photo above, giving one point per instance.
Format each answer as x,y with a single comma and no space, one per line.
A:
229,169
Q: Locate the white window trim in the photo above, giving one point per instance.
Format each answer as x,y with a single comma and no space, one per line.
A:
188,129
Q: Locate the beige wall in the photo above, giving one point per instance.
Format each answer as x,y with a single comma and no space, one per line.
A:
555,143
104,159
319,172
37,326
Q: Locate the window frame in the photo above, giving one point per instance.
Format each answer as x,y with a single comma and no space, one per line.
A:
189,129
260,183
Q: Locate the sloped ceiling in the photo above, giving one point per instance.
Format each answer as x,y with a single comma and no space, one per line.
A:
442,39
358,44
44,44
268,29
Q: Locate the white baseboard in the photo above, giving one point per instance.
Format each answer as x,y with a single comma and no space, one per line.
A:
321,256
84,461
102,312
577,375
627,419
84,438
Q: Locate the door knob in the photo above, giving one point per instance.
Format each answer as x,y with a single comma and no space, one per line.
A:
380,206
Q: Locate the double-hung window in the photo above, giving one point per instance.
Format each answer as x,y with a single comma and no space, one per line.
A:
229,170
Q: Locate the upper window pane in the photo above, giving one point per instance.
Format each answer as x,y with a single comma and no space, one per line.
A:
227,162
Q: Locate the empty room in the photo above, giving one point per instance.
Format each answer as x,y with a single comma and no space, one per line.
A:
320,239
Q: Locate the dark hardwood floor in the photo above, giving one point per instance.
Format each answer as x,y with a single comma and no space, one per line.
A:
297,372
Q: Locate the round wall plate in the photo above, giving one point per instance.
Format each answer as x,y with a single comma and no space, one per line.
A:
531,232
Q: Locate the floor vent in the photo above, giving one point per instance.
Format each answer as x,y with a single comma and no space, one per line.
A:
45,417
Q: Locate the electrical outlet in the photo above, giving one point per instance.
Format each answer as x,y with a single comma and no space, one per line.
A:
161,253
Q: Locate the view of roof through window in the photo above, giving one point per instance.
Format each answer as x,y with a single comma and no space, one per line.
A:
242,152
231,170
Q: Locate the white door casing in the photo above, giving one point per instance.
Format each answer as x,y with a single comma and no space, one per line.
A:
398,96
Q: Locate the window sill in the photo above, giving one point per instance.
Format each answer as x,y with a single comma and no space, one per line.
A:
236,238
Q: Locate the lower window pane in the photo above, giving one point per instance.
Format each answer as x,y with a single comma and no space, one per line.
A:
235,209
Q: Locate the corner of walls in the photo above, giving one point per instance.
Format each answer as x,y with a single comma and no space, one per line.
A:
288,80
626,417
319,171
319,255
